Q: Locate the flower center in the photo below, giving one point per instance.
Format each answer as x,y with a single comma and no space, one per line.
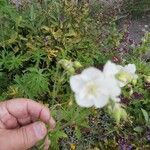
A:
91,89
124,77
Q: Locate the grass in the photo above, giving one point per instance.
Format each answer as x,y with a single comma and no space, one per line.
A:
37,37
137,8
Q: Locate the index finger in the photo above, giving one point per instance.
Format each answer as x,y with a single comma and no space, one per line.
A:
21,108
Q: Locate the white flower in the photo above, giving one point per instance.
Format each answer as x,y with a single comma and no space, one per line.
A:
124,75
92,88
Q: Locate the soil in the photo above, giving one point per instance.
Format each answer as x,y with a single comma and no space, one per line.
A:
137,26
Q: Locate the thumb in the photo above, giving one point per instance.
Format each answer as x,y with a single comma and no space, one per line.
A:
25,137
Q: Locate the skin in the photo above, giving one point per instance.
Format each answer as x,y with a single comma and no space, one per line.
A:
22,123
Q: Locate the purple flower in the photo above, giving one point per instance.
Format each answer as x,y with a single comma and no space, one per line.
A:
123,145
62,18
148,136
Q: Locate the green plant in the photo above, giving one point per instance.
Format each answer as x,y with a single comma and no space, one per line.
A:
137,7
35,38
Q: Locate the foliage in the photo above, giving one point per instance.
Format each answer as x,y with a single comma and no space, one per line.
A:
36,37
137,7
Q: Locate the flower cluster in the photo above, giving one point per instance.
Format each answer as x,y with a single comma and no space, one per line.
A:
97,88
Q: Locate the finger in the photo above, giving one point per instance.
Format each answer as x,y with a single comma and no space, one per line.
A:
25,121
24,137
23,108
6,119
47,143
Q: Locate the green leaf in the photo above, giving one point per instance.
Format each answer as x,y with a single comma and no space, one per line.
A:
145,114
78,132
138,129
55,136
33,83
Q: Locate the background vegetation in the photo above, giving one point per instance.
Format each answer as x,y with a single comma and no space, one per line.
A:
36,36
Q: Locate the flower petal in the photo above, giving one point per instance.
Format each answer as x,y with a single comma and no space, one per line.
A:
91,73
76,83
121,84
135,77
84,101
130,68
101,101
119,67
111,86
115,99
110,68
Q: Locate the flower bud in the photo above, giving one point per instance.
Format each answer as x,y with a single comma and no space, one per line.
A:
147,79
71,70
77,64
70,103
119,113
134,81
67,65
131,91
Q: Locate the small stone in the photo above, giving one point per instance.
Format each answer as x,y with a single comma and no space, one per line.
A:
116,59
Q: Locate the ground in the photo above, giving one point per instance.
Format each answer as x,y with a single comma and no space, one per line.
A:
137,26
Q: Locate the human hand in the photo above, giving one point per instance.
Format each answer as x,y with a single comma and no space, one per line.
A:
20,127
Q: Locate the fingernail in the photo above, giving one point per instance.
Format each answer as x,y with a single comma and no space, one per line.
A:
40,130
